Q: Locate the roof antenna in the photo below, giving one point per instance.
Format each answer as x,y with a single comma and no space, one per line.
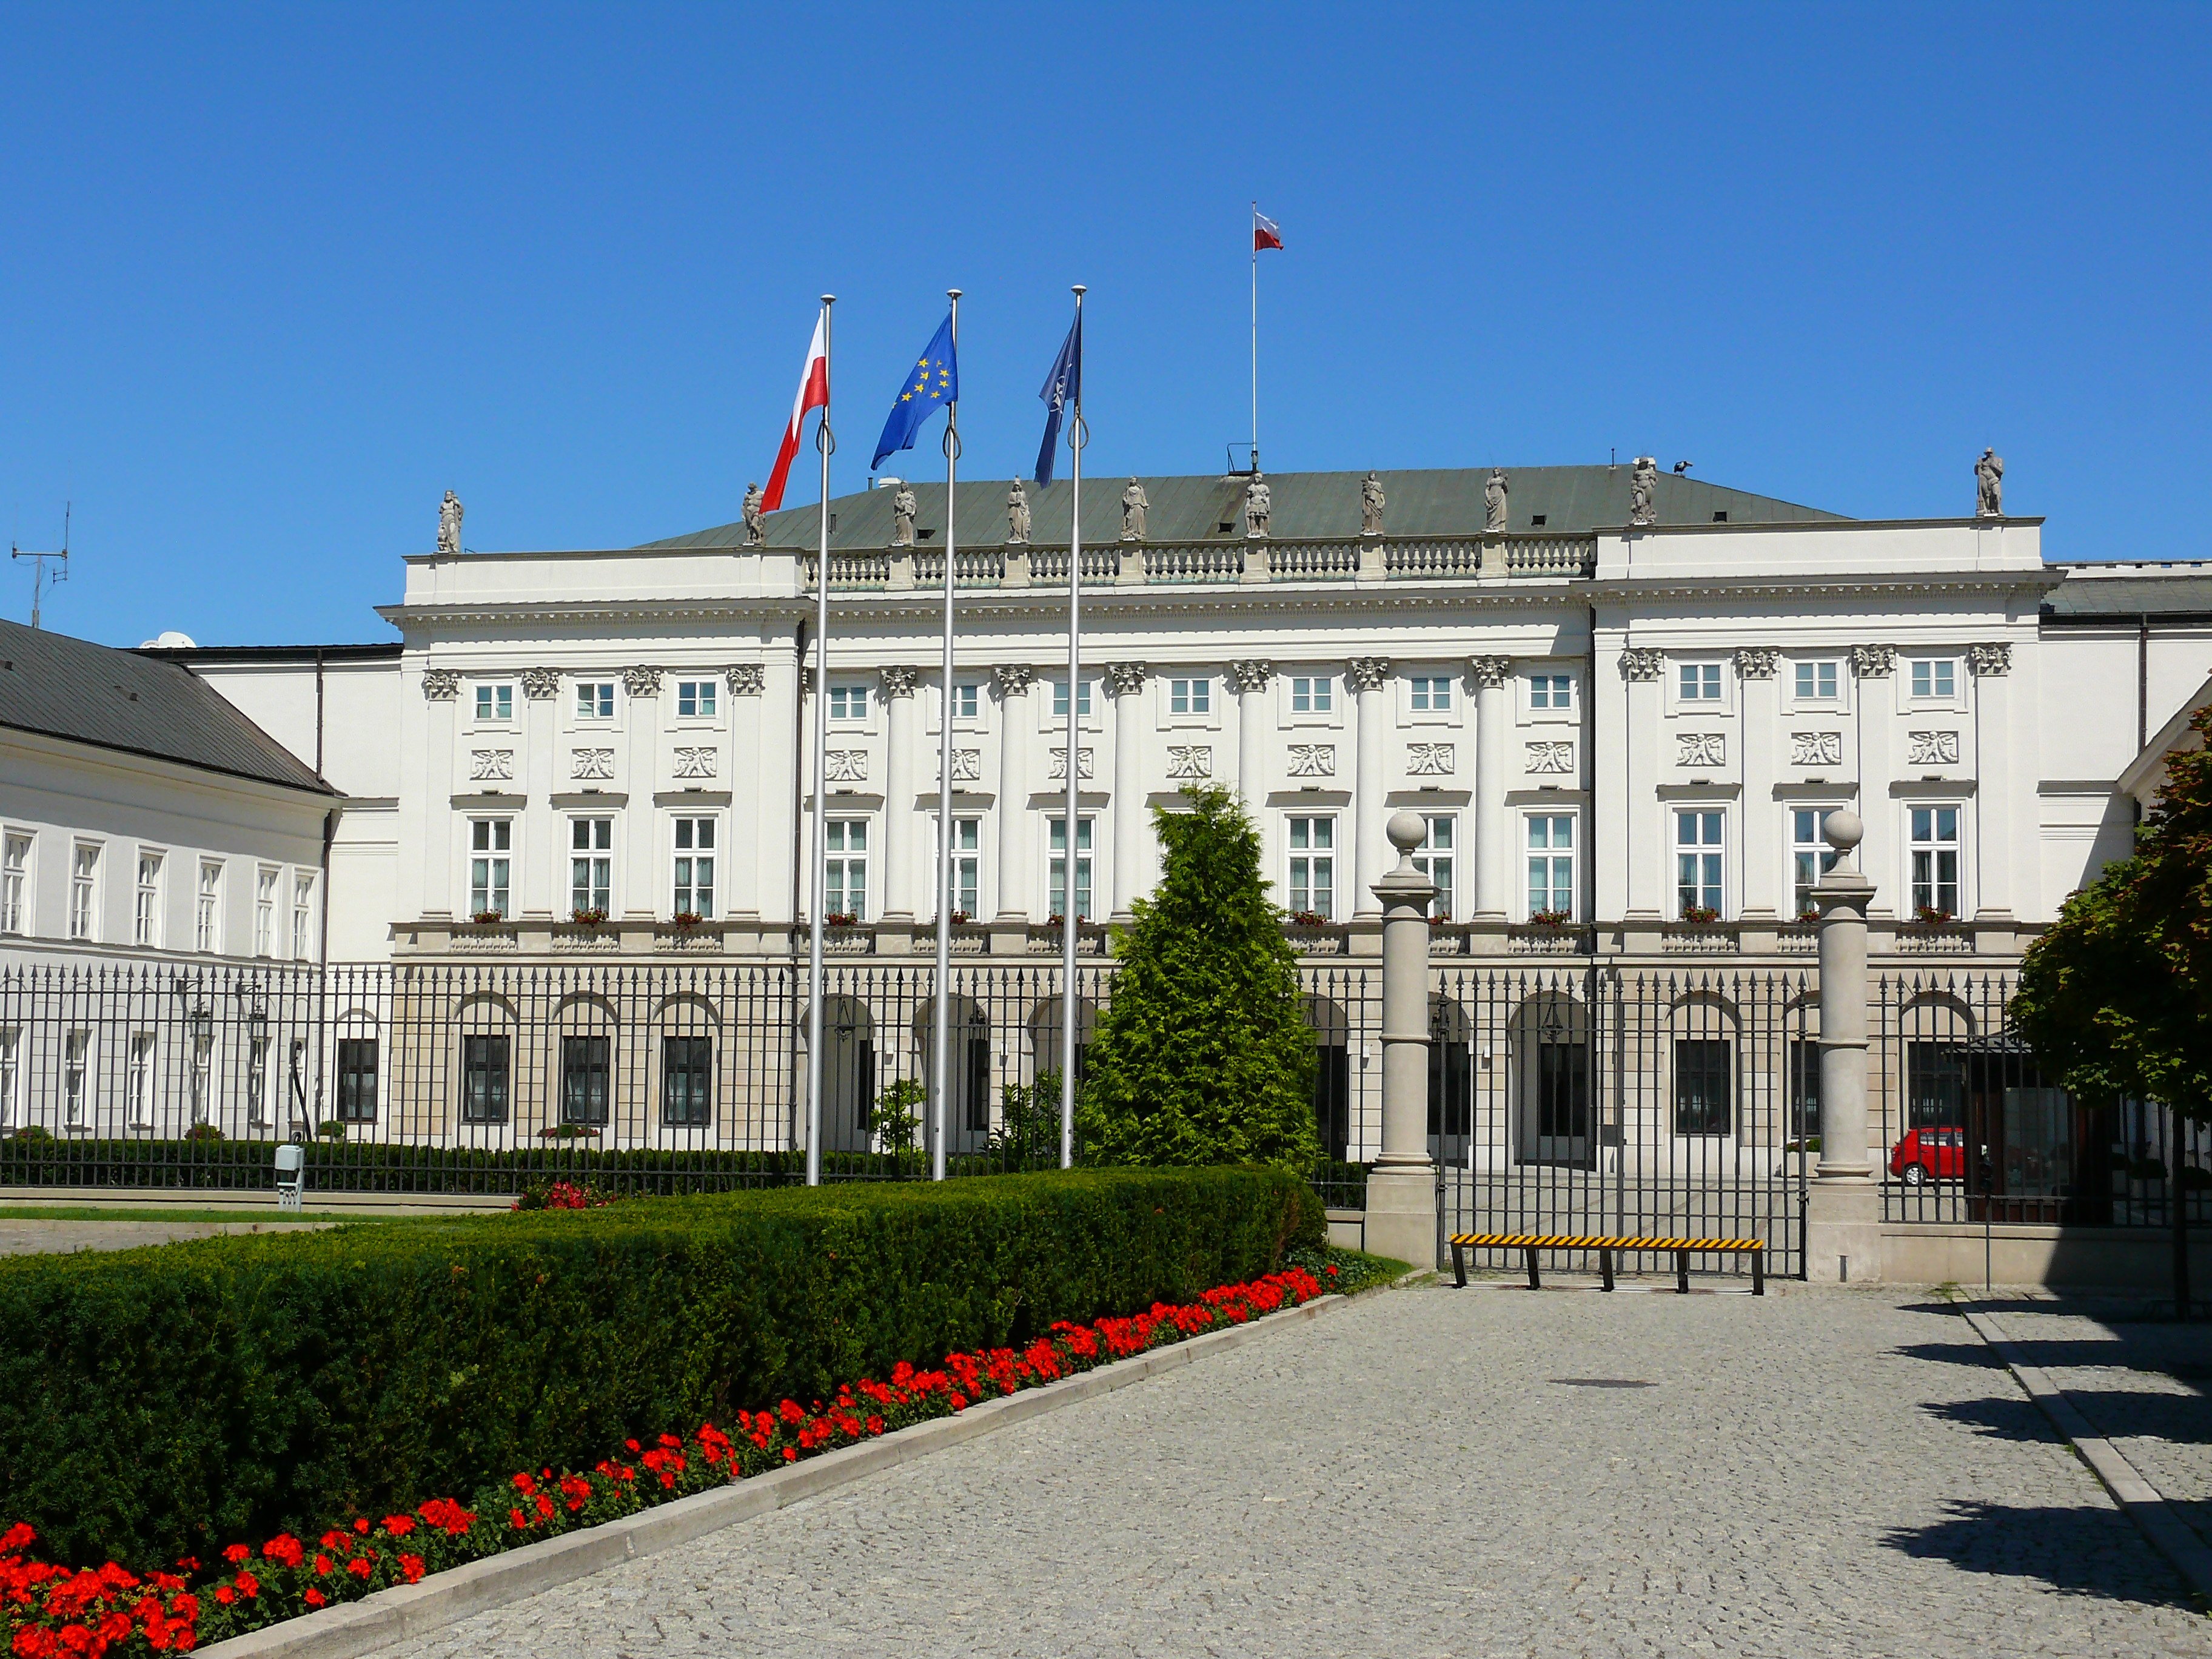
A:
39,581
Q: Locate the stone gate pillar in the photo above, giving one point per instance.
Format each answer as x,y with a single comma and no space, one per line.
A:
1842,1204
1402,1189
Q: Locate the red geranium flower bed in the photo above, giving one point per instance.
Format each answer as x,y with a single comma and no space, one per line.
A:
57,1612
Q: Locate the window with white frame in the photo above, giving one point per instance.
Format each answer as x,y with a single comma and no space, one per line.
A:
595,700
1551,693
1935,860
77,1054
207,908
695,867
264,909
1312,693
1434,861
303,915
1818,681
146,911
1428,694
1810,856
11,1076
965,876
1190,696
257,1078
1697,682
848,702
495,704
1701,863
140,1083
202,1081
694,699
84,889
1552,866
1056,845
845,888
1312,847
591,864
1059,700
491,843
15,882
967,700
1935,678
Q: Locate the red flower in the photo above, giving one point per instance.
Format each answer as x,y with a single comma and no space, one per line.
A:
284,1550
360,1525
236,1552
225,1595
314,1598
521,1524
332,1541
249,1585
16,1538
322,1564
34,1643
360,1567
399,1525
410,1567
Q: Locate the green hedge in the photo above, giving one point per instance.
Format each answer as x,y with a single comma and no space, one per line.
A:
162,1402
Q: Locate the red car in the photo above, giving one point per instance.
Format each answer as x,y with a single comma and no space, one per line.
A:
1929,1155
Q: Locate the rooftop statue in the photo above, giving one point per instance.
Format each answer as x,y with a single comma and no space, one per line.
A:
449,524
1642,487
902,512
1259,504
1017,513
755,532
1988,485
1133,507
1370,505
1494,501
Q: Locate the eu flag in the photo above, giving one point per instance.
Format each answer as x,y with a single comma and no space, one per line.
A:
933,382
1063,386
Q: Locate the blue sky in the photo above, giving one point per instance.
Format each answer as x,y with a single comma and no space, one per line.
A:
273,279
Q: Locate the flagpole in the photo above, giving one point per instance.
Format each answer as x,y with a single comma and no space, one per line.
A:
1254,459
1070,925
825,442
940,1118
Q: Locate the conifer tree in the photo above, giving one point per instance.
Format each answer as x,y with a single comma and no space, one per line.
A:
1203,1056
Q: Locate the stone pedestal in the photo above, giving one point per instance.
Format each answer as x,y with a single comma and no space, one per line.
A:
1402,1189
1842,1204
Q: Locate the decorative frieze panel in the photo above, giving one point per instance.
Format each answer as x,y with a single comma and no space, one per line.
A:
1816,748
746,679
1931,749
1874,662
1058,766
642,682
695,762
1186,761
1431,760
1313,760
590,763
441,684
1552,757
846,765
1983,660
540,683
1700,748
1642,663
966,766
491,765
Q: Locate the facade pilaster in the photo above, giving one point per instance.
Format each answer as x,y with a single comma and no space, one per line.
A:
1759,713
641,885
1493,726
1991,668
441,691
1874,667
1016,737
1369,679
1642,827
541,749
751,758
900,821
1250,679
1132,830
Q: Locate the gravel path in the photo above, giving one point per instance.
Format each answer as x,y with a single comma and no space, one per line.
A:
1429,1472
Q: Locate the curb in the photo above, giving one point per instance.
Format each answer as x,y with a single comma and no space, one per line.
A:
410,1610
2141,1502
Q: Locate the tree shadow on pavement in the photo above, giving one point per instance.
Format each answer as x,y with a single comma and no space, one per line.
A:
2004,1419
2076,1551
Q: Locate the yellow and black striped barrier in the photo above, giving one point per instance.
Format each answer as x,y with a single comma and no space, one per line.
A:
1606,1245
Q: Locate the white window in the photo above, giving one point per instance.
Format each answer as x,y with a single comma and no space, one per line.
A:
303,916
1312,693
264,909
1699,855
848,702
1935,678
140,1081
694,699
1699,682
1552,866
595,700
967,700
846,891
1817,681
11,1075
491,840
76,1048
1434,861
1057,844
1550,691
1935,860
14,883
966,875
202,1078
84,889
1428,694
1190,696
1082,700
207,908
495,704
1313,867
256,1079
591,864
1810,855
695,867
146,914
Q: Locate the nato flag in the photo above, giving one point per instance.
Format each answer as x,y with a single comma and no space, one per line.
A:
1063,386
932,383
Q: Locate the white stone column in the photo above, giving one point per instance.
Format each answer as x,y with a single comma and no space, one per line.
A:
440,687
1016,739
1874,667
641,882
1251,679
1493,850
1644,829
901,751
535,877
1132,838
1369,679
1401,1191
738,865
1993,873
1757,726
1843,1205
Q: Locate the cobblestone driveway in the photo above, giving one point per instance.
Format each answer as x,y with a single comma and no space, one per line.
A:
1816,1473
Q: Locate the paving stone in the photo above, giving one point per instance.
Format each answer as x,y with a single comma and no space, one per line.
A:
1814,1473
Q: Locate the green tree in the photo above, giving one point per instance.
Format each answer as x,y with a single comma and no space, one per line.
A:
1203,1055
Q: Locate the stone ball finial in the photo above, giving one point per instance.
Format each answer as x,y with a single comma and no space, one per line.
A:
1407,830
1842,830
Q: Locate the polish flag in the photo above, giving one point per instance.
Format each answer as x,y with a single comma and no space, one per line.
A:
813,393
1265,233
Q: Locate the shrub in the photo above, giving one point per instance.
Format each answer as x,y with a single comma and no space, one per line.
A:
1203,1055
165,1399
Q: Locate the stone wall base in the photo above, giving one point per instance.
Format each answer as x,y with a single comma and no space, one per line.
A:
1952,1253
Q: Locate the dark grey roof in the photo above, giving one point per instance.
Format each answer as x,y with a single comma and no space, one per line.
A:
2092,593
73,689
1431,501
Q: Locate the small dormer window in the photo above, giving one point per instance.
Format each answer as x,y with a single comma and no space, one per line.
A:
1537,520
1720,517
